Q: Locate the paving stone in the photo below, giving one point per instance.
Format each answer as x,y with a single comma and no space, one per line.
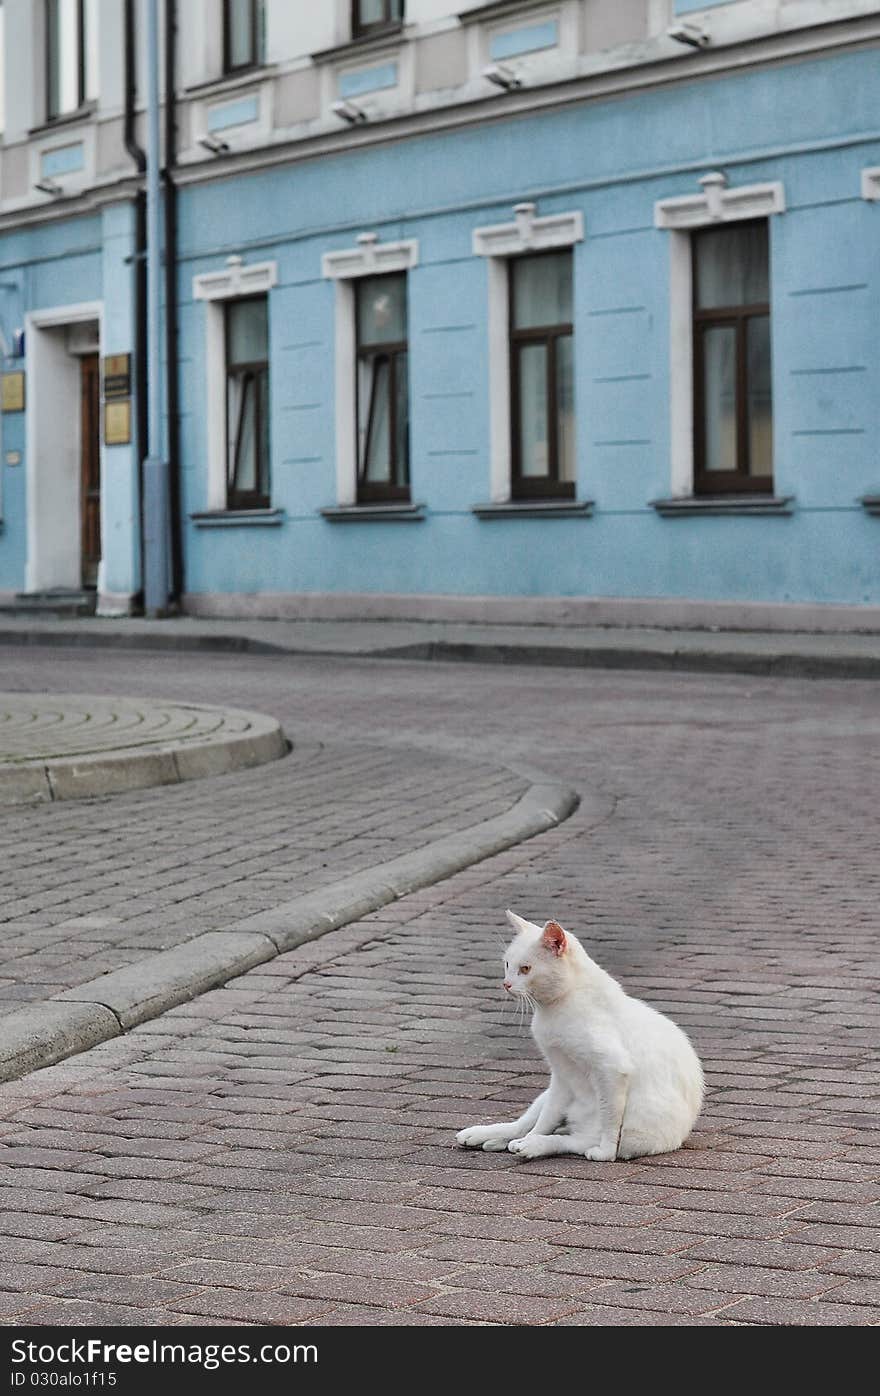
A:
760,1280
805,1312
497,1308
606,1316
234,1304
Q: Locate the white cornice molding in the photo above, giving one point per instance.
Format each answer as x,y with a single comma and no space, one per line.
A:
871,183
236,280
528,233
370,258
718,203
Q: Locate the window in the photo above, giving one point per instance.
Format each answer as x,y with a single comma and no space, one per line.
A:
542,376
382,389
71,55
247,403
733,418
243,34
369,16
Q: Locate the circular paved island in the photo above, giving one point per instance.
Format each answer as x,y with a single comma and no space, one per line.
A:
60,747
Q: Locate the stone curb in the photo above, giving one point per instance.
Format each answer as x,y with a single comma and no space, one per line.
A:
47,1032
132,768
103,1008
690,658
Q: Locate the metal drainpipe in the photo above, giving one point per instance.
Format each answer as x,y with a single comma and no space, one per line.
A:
140,268
171,317
157,570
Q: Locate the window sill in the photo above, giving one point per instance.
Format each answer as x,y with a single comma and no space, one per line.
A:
535,509
493,9
871,504
229,82
747,505
374,513
68,118
363,43
236,518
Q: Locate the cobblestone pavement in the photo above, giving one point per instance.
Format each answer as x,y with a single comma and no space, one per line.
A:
103,883
281,1150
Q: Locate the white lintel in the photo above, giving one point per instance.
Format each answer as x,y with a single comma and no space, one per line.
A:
719,203
528,233
236,280
370,258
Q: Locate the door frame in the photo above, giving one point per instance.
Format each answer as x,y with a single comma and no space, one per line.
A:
53,452
93,359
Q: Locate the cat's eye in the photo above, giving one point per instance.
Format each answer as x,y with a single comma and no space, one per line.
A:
524,969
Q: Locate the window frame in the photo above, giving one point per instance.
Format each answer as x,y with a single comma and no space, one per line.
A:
718,202
548,486
256,56
371,491
258,370
52,34
498,243
388,24
707,483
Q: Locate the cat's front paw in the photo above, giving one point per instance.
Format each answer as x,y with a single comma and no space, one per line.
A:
528,1148
480,1137
602,1153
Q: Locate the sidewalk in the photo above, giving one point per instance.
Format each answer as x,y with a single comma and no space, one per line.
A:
844,655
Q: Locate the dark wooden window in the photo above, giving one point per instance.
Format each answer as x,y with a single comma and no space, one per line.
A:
382,388
370,16
243,26
247,403
71,55
733,402
542,376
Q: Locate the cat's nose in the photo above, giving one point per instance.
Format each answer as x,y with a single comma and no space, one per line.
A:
508,986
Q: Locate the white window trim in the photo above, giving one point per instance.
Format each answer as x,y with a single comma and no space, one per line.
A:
498,242
52,458
871,183
369,257
216,288
718,203
680,216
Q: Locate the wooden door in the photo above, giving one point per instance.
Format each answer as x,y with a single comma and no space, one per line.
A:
90,450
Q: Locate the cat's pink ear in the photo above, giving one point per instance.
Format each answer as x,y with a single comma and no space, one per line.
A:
554,938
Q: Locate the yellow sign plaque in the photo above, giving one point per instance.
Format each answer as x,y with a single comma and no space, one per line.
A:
117,423
117,375
13,392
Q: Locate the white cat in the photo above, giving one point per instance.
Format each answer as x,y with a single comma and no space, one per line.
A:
624,1079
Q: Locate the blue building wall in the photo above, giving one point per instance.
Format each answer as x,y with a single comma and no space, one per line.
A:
810,125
